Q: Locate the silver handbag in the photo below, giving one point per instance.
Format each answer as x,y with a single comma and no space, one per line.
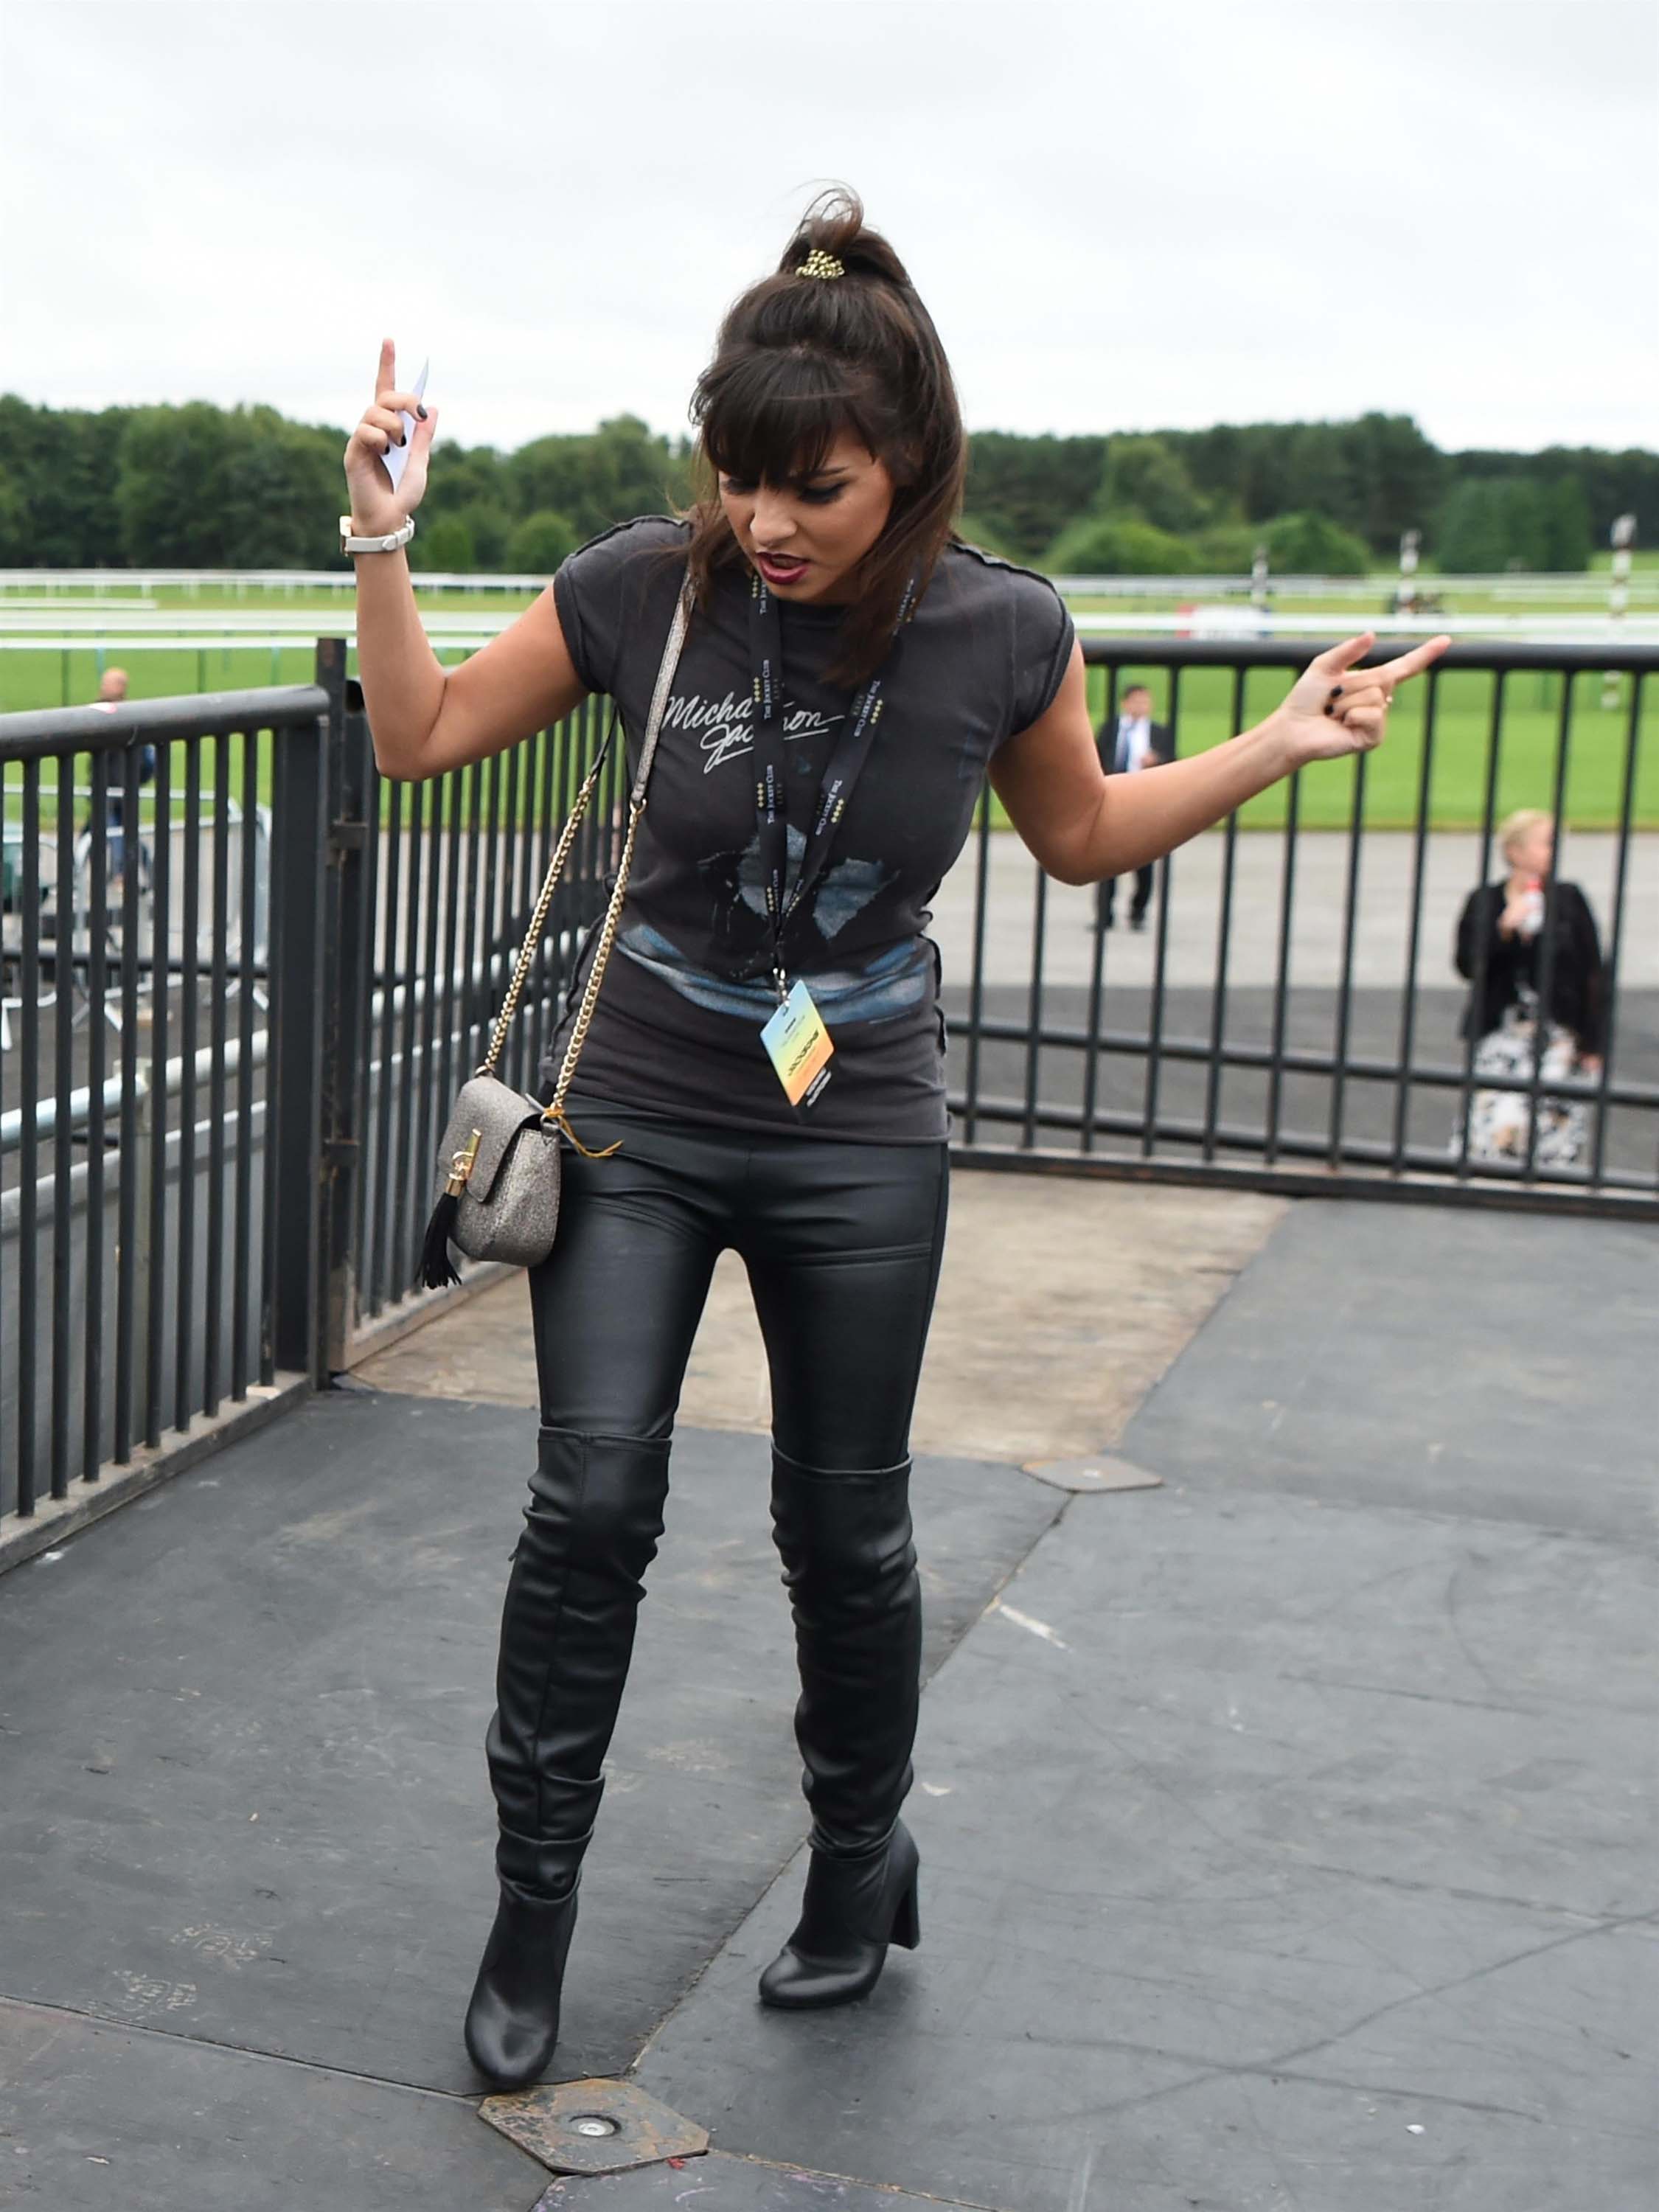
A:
498,1162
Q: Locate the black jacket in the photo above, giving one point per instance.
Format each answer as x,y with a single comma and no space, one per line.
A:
1565,958
1106,743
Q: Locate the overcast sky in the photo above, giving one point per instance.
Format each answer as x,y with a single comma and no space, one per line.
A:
1170,212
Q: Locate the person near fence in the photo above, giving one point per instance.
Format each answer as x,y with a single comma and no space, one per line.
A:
1128,742
1529,946
851,672
111,694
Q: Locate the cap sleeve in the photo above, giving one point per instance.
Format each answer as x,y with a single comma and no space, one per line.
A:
609,586
1044,633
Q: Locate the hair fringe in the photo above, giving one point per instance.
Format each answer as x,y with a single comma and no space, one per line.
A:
798,362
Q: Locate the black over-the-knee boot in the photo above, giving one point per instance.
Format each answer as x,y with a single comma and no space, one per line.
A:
850,1568
590,1530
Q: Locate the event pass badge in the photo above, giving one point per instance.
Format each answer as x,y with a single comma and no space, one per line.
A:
799,1045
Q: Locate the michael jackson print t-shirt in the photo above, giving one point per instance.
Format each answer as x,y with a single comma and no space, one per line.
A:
676,1027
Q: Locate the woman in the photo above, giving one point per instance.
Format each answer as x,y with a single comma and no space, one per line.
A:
1527,945
789,852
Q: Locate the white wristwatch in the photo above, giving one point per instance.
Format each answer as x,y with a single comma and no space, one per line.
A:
387,544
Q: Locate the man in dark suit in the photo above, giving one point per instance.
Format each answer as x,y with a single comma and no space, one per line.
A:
1130,740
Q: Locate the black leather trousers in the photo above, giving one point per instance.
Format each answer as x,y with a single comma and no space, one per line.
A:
841,1243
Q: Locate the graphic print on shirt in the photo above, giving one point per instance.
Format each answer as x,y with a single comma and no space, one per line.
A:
724,727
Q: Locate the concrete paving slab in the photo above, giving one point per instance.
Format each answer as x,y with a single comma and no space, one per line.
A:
103,2118
1482,1363
1271,1817
1161,1850
244,1726
1060,1305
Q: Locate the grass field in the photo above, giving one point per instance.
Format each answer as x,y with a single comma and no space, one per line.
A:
59,671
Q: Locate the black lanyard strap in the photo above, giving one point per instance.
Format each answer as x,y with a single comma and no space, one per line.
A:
846,762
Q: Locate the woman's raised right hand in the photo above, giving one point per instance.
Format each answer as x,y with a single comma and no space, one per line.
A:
376,509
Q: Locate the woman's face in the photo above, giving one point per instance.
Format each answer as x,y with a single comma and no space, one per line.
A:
1531,852
807,537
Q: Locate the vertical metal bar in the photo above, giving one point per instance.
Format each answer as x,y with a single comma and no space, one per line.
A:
426,1135
159,1106
1092,1059
486,922
1545,976
472,919
63,1218
128,1170
1483,942
213,1290
1281,986
1223,946
403,1193
275,957
461,796
190,999
248,930
1160,957
1034,1005
343,968
1345,982
1616,930
92,1325
976,970
28,1166
1408,1009
365,1166
299,869
503,930
548,772
63,1157
388,1190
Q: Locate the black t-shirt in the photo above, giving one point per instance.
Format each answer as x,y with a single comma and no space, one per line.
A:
688,990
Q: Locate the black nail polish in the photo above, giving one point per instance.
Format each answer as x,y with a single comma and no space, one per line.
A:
1336,691
420,411
1325,708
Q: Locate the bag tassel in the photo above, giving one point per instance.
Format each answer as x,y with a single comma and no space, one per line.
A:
437,1270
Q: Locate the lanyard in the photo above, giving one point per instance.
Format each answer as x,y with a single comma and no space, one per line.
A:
852,750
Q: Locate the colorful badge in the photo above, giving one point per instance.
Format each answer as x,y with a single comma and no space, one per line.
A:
799,1045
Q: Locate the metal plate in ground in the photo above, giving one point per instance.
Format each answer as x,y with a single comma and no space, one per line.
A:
1102,1473
592,2127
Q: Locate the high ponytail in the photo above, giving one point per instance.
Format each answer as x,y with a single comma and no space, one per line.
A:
802,358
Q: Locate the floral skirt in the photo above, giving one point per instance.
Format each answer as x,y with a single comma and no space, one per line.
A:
1498,1119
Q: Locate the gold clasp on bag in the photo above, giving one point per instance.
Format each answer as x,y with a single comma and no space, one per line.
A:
461,1166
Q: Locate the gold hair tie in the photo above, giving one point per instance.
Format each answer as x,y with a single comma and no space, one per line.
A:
820,264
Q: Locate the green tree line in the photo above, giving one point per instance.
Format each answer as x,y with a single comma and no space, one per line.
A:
200,486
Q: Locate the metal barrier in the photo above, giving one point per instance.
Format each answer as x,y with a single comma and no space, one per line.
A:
217,1126
1290,1017
214,1188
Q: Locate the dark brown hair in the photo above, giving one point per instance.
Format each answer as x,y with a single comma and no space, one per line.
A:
799,361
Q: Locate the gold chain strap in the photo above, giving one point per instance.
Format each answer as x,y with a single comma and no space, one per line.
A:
555,1111
538,920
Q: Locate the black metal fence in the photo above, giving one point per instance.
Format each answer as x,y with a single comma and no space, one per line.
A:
242,976
1292,1013
240,989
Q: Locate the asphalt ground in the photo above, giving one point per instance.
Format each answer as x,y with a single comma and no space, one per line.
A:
1285,1829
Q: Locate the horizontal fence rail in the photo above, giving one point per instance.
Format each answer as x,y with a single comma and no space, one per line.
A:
245,974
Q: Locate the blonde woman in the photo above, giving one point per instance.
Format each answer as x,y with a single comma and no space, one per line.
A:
1529,946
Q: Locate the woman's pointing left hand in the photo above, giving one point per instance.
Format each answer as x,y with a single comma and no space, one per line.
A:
1335,708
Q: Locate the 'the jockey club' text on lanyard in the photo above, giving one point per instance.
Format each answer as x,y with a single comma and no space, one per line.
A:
796,1036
